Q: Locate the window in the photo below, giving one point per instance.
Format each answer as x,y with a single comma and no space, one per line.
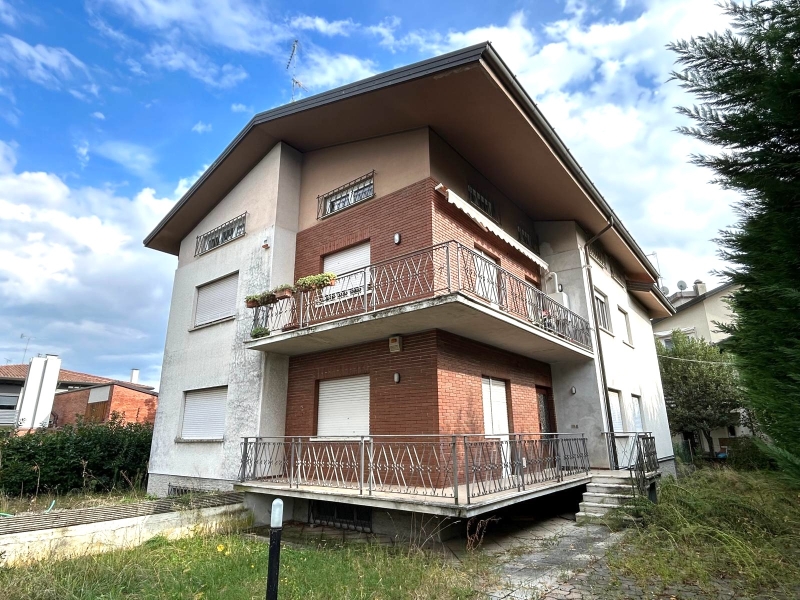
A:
731,431
495,407
603,317
638,422
204,414
596,252
220,235
358,190
8,401
342,262
615,403
343,407
526,239
482,203
216,300
627,331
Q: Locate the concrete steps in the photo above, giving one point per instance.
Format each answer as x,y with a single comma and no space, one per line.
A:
606,492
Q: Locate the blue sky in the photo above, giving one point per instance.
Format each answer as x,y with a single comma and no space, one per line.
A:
109,110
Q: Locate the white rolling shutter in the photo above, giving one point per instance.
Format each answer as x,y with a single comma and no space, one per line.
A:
343,407
216,300
616,410
350,259
638,423
495,406
204,414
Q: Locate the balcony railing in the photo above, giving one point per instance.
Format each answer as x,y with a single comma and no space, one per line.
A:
442,269
457,467
635,451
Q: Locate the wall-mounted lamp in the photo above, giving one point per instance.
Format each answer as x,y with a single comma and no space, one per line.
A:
560,288
396,238
573,391
397,377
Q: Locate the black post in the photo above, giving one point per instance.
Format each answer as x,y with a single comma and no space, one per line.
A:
276,528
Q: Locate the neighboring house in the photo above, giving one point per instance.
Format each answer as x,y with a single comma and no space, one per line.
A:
698,312
132,403
456,365
30,394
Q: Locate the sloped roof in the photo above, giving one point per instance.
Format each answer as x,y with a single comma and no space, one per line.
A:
20,372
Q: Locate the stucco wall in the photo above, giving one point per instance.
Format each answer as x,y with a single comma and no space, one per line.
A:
702,317
214,355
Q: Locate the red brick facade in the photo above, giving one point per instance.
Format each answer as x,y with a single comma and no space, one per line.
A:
134,406
439,389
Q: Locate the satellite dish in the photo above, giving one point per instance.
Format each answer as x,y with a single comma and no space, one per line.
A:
682,285
665,290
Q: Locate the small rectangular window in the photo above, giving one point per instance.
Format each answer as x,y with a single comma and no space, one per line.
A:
596,252
204,414
603,316
218,236
216,300
482,203
638,421
627,331
353,192
615,403
526,239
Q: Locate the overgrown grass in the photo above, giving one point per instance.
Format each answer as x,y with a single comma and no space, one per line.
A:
78,499
231,567
718,524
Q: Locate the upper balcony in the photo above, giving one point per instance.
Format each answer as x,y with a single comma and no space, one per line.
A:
447,286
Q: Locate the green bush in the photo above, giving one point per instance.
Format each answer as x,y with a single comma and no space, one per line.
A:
745,453
84,456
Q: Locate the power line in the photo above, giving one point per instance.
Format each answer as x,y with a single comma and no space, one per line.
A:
710,362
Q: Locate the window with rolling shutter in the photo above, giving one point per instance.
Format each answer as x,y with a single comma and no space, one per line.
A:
204,414
216,300
343,408
616,410
345,261
495,406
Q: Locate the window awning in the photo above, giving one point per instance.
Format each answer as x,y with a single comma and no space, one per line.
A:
487,224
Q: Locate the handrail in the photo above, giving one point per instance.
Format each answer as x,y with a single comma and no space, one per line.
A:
440,269
457,466
638,454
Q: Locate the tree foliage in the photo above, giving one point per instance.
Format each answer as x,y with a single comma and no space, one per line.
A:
83,456
748,82
701,387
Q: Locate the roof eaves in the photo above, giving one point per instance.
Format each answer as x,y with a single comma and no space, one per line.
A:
389,78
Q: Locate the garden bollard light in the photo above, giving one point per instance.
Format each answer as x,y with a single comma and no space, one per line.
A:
276,527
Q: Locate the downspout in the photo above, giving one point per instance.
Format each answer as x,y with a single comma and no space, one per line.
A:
612,447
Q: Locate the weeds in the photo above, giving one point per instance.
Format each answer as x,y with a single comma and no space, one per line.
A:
718,524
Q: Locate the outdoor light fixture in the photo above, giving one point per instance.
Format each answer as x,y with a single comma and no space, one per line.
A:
397,377
573,391
396,238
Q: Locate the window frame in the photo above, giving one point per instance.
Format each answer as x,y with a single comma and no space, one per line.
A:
627,320
603,322
197,288
477,199
636,401
236,228
180,436
347,190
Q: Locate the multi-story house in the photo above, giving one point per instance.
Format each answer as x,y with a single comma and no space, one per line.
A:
487,337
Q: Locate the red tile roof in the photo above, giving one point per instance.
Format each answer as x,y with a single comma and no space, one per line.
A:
65,376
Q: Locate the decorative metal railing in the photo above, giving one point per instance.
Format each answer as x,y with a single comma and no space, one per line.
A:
441,269
461,467
636,451
227,232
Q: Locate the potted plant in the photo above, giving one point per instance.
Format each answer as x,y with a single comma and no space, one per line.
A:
252,301
266,298
259,332
315,282
283,291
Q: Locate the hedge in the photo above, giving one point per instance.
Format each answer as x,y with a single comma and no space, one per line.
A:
83,456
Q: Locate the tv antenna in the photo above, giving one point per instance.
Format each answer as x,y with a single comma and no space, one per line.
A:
292,63
27,339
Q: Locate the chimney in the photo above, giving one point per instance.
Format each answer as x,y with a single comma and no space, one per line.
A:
699,287
134,375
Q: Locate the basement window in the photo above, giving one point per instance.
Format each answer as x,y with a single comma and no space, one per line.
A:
482,203
347,195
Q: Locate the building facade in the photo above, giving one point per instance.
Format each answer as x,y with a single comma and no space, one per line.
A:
456,363
131,403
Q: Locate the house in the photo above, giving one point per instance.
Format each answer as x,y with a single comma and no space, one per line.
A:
41,393
698,314
487,338
132,403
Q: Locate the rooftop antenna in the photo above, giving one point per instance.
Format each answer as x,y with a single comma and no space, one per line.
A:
292,63
27,339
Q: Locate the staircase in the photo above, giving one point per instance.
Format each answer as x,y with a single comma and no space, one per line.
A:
604,493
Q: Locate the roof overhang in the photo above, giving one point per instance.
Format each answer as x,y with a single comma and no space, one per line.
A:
472,100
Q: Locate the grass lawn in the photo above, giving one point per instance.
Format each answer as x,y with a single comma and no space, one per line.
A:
233,568
35,504
718,524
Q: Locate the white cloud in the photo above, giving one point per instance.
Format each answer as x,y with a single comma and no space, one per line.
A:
201,127
135,67
321,69
133,157
198,66
82,150
45,65
184,183
99,115
73,272
241,108
8,14
323,26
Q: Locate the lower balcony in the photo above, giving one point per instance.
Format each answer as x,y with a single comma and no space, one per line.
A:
448,286
448,475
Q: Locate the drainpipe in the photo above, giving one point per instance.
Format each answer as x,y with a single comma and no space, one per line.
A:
612,446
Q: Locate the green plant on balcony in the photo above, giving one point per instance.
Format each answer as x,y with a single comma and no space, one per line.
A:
285,290
266,298
258,332
315,282
252,301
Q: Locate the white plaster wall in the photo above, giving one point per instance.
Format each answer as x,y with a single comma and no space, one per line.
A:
214,355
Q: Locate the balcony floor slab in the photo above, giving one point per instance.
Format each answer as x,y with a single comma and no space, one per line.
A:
456,313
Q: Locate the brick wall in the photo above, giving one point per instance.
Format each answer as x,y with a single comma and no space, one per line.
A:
134,406
461,365
67,406
439,389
